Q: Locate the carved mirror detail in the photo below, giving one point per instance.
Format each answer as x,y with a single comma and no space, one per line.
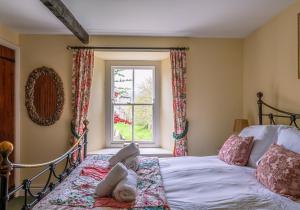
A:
44,96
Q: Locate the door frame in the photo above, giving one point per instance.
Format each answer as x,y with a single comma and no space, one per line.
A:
17,107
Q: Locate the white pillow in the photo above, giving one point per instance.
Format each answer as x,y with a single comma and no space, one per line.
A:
264,136
289,138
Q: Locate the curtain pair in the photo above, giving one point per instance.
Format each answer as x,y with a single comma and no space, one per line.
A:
82,73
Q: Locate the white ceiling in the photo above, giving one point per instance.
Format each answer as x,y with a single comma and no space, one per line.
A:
144,56
195,18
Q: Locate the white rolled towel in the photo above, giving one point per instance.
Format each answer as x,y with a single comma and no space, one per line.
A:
124,153
126,189
106,186
132,163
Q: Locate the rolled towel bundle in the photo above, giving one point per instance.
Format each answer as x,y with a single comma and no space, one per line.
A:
126,189
123,154
132,163
107,185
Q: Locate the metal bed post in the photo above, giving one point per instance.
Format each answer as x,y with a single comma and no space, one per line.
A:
5,168
260,103
85,141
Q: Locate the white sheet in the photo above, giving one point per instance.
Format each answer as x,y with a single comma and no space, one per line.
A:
194,183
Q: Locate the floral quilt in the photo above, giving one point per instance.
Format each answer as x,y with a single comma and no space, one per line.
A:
77,191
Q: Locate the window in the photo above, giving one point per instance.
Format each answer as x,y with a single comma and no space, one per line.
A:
133,108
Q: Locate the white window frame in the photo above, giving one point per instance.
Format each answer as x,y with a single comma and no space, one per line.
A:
109,104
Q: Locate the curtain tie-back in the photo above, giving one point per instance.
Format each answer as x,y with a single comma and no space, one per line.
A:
183,134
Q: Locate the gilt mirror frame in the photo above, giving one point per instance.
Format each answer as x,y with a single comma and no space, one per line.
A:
30,97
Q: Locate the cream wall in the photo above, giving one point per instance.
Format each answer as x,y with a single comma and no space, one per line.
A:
9,35
166,107
271,64
214,90
43,143
96,113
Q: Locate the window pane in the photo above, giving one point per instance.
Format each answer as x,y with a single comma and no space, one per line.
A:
122,90
143,126
143,85
122,120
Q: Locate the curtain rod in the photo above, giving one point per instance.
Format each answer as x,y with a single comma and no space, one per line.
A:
127,48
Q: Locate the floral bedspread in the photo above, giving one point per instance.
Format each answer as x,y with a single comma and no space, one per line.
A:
77,191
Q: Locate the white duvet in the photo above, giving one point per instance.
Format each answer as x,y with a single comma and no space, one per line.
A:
193,183
200,183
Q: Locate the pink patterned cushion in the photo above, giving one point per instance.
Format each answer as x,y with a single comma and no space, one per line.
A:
236,150
279,170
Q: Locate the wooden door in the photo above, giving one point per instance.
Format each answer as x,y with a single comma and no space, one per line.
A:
7,110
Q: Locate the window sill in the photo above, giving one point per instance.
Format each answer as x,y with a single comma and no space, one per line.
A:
158,152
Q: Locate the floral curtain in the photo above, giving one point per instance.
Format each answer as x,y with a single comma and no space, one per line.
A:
82,72
178,65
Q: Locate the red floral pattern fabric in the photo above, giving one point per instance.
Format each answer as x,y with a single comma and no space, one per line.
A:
76,192
236,150
279,171
82,72
178,64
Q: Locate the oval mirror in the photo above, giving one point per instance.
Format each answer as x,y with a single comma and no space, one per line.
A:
44,96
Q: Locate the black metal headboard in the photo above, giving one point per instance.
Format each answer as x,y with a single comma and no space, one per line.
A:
293,117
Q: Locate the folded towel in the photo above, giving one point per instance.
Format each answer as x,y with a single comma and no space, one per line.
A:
131,162
126,190
123,154
107,185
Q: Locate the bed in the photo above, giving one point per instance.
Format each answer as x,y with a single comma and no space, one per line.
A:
190,183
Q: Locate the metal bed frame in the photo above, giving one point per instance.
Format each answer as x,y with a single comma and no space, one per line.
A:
50,167
53,178
293,117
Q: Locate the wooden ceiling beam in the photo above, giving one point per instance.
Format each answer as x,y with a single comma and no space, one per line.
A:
58,8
